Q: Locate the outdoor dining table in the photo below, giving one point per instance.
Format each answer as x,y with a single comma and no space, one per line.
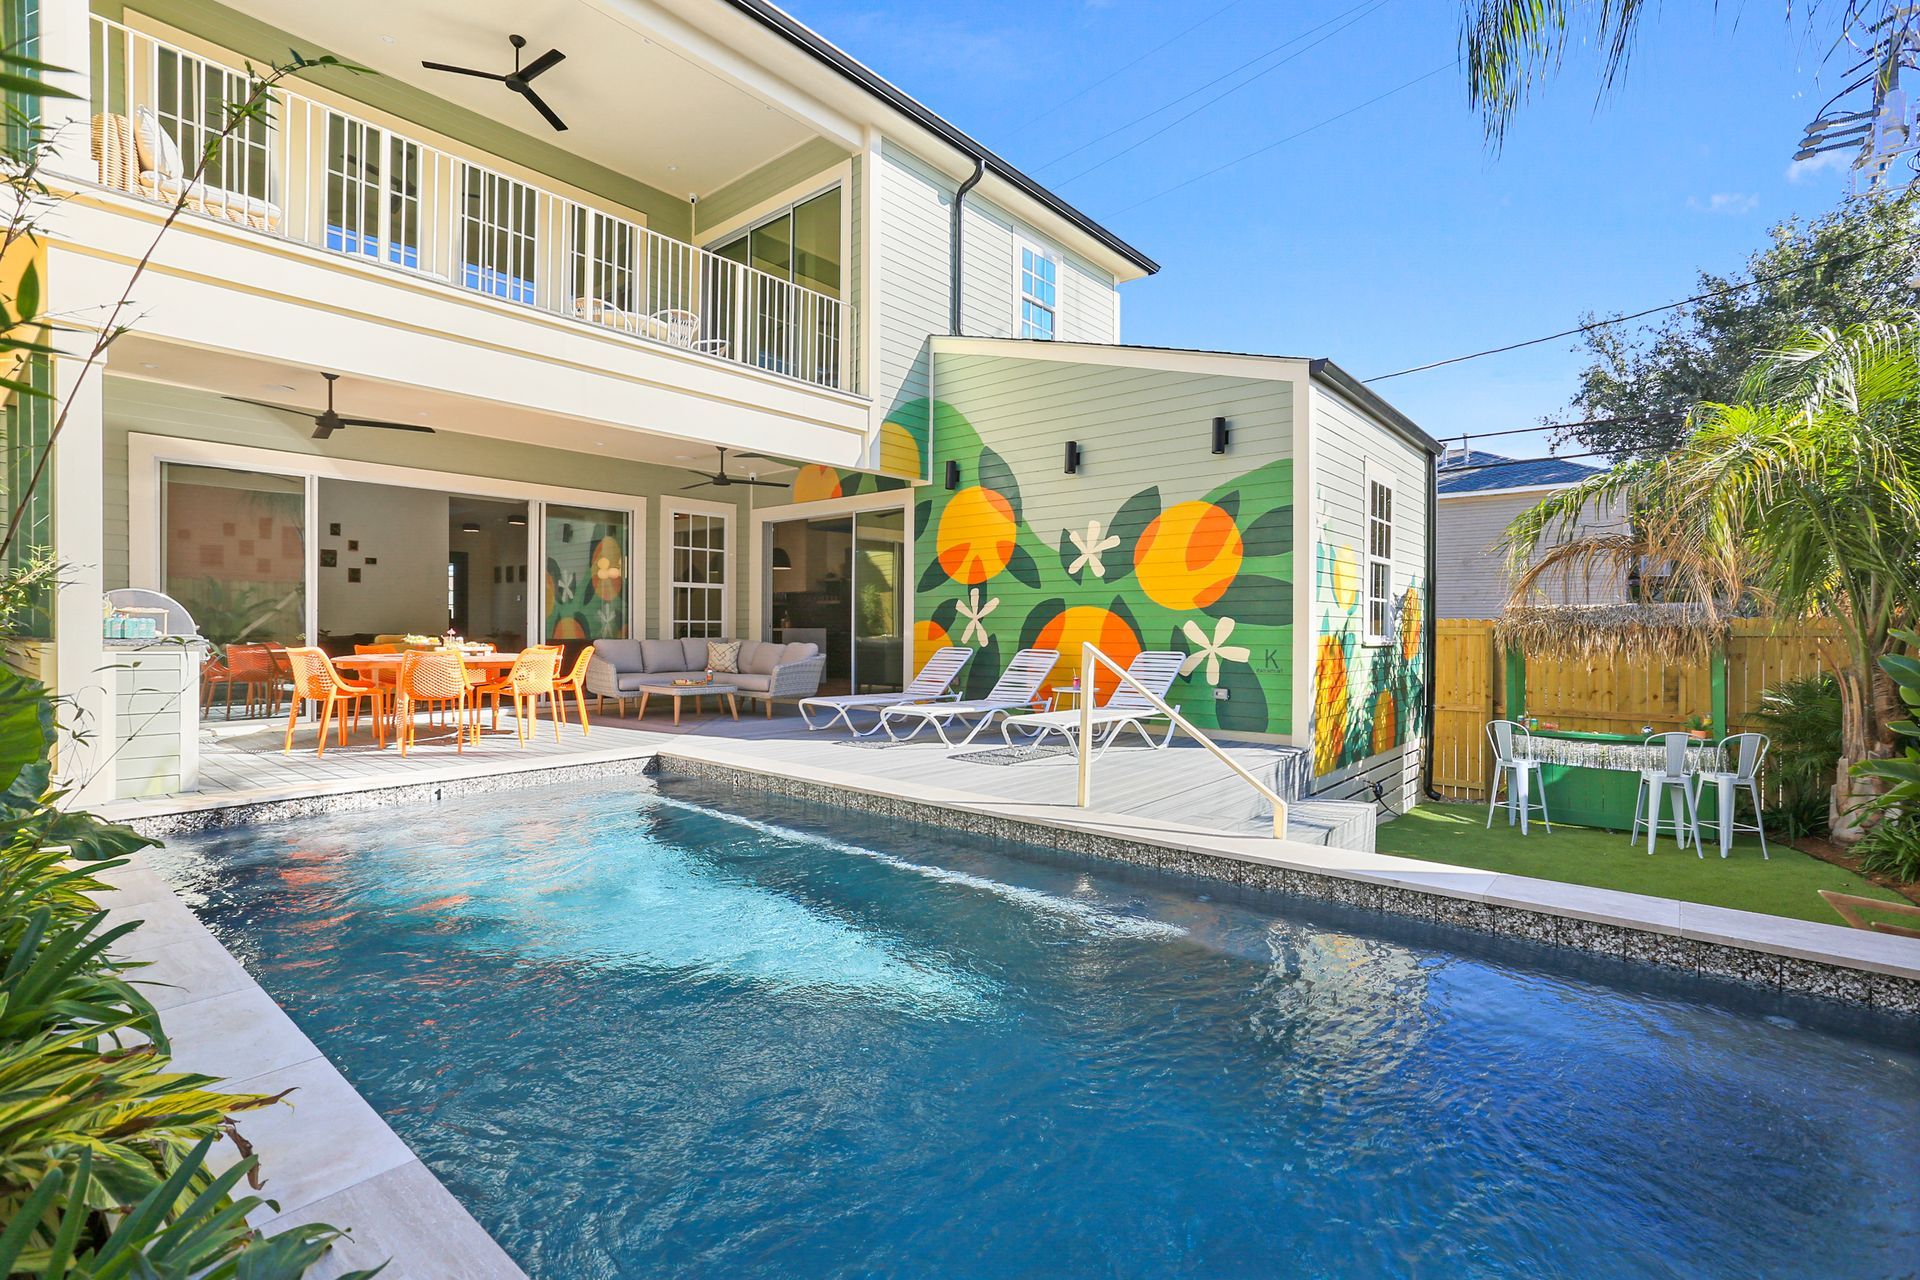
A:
1593,779
384,668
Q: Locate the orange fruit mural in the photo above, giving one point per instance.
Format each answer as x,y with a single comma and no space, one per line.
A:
1330,707
1385,722
609,569
1410,625
1087,624
815,484
928,637
1189,555
977,534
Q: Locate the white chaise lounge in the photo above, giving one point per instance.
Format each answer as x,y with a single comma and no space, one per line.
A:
1016,690
1124,709
933,684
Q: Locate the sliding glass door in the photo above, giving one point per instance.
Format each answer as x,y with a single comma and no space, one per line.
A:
840,582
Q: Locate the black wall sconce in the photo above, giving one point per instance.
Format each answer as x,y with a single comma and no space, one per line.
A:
1219,435
1073,456
953,474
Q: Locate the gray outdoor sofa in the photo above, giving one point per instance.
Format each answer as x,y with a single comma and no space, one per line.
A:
767,670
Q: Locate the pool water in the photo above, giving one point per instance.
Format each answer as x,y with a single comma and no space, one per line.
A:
678,1032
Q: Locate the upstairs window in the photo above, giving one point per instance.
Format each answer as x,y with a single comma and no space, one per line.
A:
1039,293
1379,602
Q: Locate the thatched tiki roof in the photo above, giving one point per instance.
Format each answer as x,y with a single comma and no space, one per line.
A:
1591,633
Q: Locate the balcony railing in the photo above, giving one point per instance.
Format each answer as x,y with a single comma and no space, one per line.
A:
321,176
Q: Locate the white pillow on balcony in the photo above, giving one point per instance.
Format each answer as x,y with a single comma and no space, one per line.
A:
158,152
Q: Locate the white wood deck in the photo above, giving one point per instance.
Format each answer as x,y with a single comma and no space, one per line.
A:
1180,785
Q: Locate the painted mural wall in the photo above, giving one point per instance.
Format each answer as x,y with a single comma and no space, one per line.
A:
1156,543
1369,699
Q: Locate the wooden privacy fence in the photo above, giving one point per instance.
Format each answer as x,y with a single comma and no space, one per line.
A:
1474,684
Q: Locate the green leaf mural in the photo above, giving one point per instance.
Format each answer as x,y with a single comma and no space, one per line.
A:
1207,574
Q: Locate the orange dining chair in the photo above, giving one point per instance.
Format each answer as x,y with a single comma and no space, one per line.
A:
362,650
440,681
574,684
316,680
250,666
533,674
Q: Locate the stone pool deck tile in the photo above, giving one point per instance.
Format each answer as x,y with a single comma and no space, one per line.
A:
237,1035
1802,939
323,1139
320,1146
189,971
404,1203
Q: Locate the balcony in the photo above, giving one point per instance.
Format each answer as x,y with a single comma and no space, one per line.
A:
323,177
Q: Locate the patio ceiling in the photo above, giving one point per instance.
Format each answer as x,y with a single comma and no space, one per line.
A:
226,374
632,100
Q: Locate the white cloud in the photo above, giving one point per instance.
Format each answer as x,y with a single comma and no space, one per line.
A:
1729,202
1825,162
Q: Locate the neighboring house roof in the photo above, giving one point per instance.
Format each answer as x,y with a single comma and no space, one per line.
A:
778,21
1476,471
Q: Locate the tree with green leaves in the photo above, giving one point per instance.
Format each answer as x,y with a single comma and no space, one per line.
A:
1844,268
1802,497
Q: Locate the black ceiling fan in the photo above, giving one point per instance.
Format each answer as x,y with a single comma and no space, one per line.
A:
517,80
326,422
720,479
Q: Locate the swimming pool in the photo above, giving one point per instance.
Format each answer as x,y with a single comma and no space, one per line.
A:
686,1032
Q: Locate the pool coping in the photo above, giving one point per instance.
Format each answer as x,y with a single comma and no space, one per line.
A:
326,1155
1798,957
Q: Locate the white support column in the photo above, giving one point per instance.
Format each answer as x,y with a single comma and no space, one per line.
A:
83,672
64,37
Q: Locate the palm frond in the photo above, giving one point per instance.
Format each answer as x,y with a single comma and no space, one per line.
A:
1509,46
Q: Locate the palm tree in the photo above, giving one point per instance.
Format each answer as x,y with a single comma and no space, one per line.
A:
1509,46
1802,499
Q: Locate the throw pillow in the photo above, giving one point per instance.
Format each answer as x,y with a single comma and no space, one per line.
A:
158,152
723,655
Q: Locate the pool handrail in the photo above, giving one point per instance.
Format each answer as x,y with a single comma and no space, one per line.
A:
1091,659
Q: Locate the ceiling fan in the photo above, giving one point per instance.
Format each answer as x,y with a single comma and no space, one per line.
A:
720,479
518,79
327,422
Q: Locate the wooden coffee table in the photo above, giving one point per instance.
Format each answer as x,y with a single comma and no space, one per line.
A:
695,691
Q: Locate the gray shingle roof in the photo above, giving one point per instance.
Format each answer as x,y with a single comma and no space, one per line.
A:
1469,473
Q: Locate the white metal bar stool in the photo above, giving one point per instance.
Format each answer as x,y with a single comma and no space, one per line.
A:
1513,764
1673,775
1740,756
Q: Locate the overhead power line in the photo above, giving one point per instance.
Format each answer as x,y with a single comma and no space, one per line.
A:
1226,75
1640,420
1182,34
1301,133
1178,120
1650,311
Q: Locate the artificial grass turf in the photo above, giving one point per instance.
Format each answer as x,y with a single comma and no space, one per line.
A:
1784,886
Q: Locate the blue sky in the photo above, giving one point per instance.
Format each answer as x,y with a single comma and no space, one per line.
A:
1393,236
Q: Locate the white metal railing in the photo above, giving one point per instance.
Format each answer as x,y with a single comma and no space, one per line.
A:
351,186
1090,660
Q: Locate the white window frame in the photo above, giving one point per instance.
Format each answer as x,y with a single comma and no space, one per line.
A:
1023,298
1378,570
728,516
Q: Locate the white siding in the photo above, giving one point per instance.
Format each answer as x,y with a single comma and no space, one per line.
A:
914,275
1473,575
915,224
1089,305
1347,440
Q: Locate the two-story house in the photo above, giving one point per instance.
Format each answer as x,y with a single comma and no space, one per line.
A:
486,335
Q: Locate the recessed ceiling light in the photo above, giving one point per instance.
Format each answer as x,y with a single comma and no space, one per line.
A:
386,39
148,364
673,168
